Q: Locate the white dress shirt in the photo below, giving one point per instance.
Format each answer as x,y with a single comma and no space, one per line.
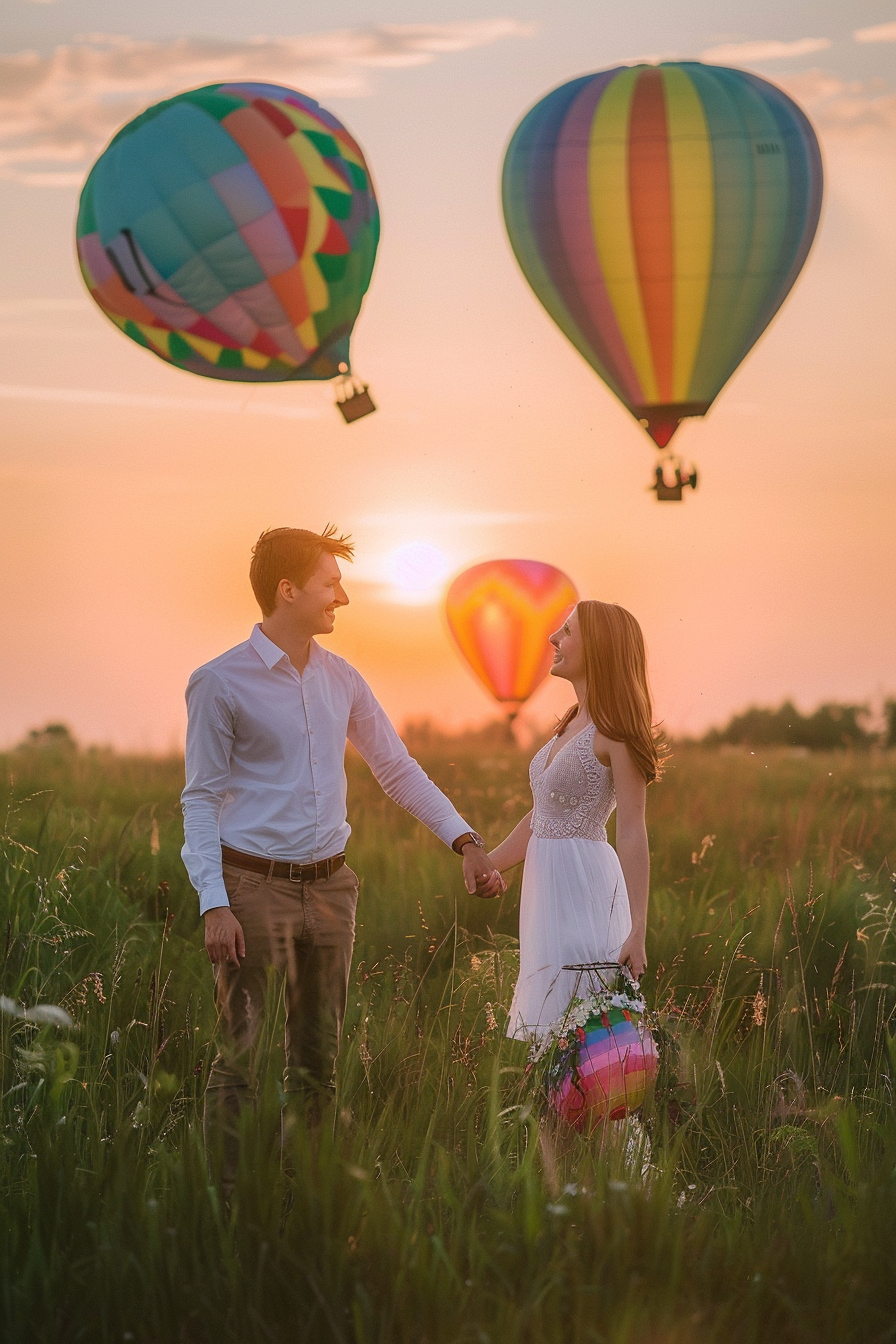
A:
266,761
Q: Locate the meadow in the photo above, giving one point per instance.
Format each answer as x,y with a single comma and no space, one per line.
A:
754,1200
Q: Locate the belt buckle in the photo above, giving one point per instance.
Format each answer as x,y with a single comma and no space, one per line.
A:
300,866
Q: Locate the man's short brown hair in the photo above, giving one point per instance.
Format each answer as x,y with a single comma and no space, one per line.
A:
290,553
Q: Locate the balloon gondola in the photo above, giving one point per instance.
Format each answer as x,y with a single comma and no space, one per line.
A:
672,477
500,614
662,214
232,231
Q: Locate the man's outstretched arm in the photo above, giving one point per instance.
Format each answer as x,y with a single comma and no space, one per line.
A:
407,783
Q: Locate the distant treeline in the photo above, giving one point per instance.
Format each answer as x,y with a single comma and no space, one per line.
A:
828,728
831,727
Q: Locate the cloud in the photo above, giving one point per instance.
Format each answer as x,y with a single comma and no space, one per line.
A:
57,111
424,519
882,32
764,51
19,307
76,396
843,107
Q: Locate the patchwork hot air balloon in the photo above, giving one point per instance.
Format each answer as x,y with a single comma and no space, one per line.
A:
501,613
232,231
662,214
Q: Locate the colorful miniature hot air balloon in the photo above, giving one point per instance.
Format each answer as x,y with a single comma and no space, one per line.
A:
600,1061
501,614
232,231
662,214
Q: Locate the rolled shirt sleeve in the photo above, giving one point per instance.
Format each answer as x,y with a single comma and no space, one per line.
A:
210,729
395,770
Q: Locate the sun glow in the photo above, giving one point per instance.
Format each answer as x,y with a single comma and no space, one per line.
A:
417,572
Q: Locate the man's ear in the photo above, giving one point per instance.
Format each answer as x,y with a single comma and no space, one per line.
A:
286,589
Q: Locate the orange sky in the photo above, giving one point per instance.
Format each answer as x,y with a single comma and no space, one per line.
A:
132,492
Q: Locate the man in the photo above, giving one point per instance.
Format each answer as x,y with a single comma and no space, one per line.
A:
265,821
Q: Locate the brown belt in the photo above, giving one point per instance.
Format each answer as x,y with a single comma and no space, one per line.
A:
293,872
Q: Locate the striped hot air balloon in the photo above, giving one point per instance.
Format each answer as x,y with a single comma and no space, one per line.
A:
600,1060
662,214
232,231
501,613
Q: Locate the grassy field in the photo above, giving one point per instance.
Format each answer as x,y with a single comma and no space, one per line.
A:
756,1201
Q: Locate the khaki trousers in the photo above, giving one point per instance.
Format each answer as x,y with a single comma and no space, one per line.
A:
306,932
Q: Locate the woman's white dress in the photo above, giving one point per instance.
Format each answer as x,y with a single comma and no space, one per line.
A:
574,905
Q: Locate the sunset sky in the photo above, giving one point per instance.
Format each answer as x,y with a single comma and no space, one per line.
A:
131,492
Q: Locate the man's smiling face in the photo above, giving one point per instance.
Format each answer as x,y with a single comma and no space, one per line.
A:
317,602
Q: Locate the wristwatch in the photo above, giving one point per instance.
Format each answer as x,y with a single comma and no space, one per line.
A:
468,838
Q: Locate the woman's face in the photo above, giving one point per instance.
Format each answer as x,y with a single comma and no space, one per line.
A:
569,655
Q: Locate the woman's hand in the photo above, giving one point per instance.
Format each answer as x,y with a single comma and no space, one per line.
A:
633,955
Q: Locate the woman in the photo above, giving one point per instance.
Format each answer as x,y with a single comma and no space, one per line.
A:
582,900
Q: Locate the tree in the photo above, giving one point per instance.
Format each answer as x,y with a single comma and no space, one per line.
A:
52,737
830,727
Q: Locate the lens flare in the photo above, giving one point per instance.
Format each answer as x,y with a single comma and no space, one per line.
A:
417,569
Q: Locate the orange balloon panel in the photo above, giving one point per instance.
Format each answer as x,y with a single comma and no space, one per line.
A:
501,614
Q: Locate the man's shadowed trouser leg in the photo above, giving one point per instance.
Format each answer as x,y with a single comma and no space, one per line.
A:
305,931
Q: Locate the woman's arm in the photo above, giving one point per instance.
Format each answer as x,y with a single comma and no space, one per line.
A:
631,846
512,851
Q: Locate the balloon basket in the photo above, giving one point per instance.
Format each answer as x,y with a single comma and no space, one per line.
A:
672,477
353,400
599,1061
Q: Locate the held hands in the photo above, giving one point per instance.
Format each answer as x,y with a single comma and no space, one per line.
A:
480,874
633,954
224,941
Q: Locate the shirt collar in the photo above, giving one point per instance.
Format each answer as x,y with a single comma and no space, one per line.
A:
271,654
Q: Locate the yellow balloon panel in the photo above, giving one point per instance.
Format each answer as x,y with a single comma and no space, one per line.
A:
501,614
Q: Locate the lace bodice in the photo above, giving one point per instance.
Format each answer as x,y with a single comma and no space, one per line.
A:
574,795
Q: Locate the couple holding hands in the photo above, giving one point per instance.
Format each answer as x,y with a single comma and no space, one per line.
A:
265,821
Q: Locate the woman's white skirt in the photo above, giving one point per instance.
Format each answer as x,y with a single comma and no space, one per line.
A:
573,908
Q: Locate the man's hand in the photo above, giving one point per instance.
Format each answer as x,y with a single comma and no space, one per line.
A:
224,941
480,874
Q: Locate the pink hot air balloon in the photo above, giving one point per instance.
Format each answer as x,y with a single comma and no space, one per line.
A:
501,613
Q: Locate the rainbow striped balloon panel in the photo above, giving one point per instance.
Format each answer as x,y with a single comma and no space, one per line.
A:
662,214
232,230
501,614
614,1068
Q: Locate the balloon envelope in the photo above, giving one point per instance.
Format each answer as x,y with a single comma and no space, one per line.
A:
662,214
232,231
501,614
612,1069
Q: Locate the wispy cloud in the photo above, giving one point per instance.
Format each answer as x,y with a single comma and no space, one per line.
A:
76,396
19,307
457,518
56,111
45,319
735,52
838,106
843,107
881,32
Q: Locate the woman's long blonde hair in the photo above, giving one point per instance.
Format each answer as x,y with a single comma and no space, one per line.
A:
617,695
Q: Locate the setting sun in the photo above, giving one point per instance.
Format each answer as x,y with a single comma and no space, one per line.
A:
417,571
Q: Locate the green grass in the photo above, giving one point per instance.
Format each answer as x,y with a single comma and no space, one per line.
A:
762,1209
